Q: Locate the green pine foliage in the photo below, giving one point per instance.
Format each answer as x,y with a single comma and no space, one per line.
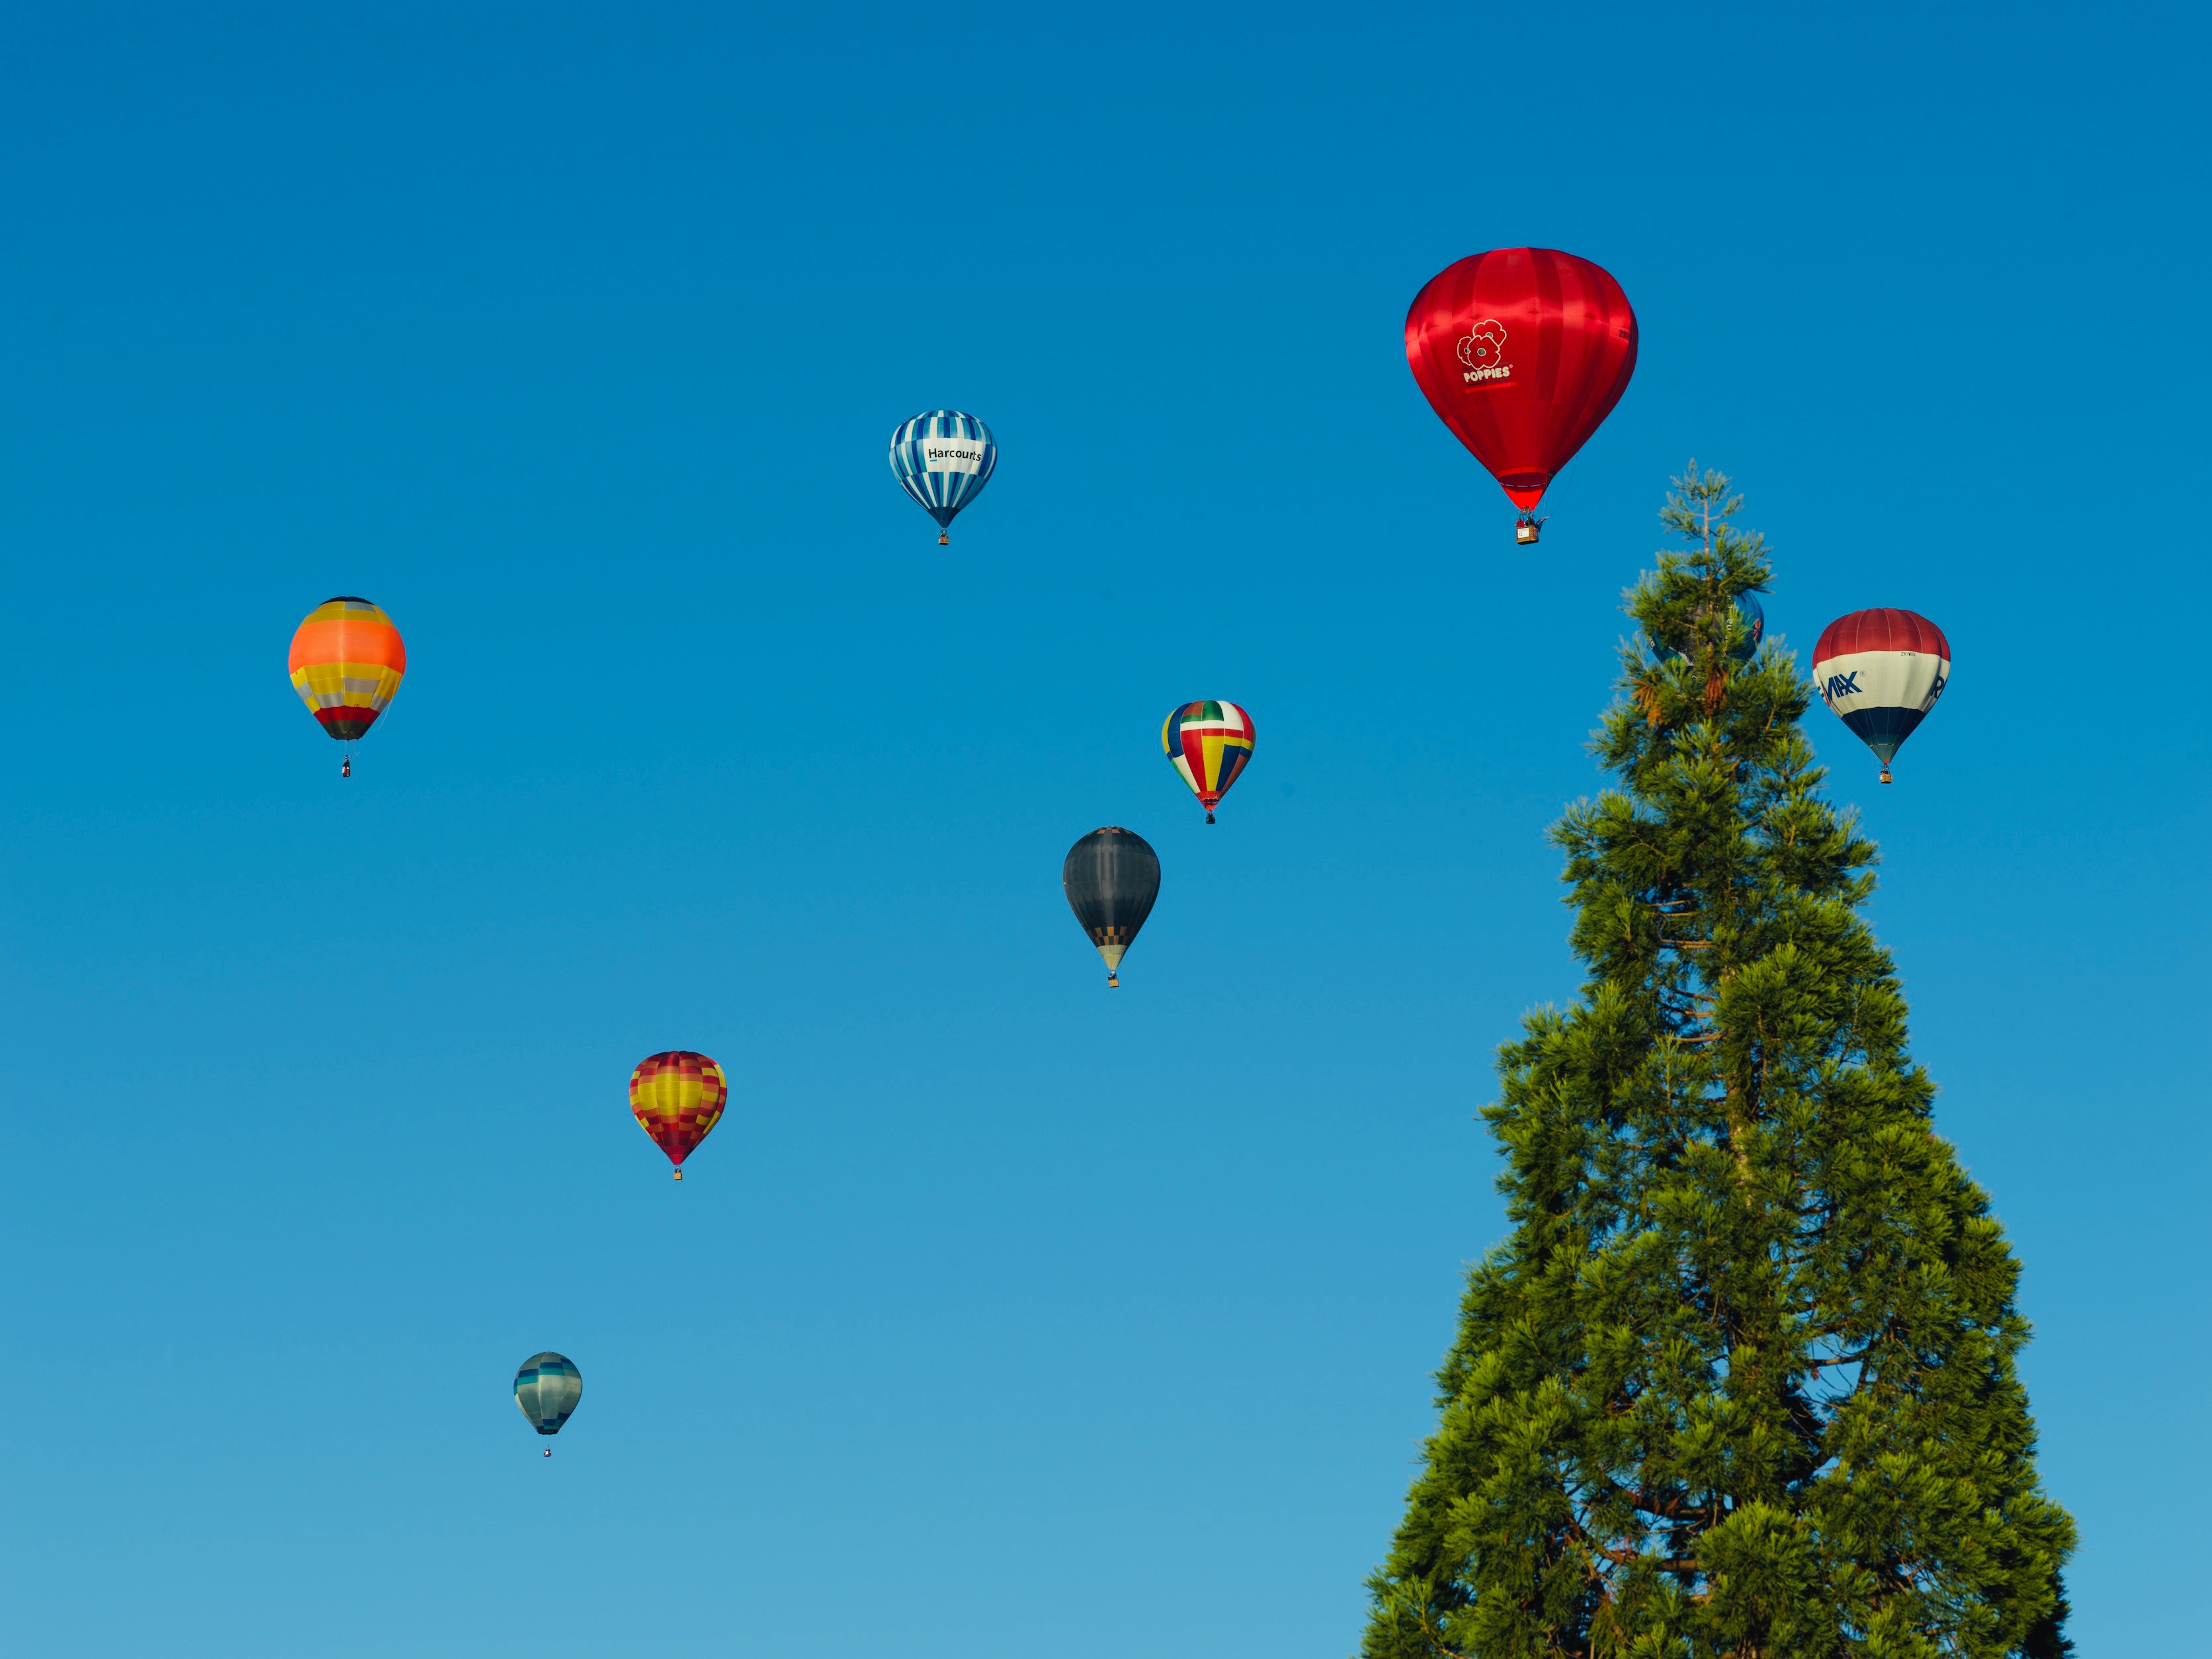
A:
1741,1381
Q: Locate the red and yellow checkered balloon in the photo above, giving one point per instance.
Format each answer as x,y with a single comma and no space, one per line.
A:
677,1096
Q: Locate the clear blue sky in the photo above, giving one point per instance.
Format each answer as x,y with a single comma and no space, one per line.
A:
1001,1314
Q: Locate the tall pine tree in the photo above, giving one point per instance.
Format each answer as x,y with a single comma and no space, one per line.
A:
1739,1383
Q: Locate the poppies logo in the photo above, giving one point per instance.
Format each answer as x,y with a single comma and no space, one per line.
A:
1483,351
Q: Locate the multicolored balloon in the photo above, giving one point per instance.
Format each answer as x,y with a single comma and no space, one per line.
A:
1209,744
942,458
1745,645
347,662
547,1388
677,1096
1111,877
1881,671
1521,352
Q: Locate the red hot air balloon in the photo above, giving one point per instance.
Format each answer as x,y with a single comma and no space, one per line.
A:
1522,352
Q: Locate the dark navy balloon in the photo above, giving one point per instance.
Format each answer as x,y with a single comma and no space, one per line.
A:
1111,877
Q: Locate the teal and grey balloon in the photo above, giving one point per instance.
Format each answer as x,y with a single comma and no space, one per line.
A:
547,1387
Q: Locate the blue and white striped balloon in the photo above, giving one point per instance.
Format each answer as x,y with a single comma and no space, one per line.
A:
942,458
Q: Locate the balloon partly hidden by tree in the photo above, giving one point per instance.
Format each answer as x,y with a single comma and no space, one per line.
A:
1741,1381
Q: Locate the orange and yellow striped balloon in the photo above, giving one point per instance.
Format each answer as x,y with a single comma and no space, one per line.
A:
677,1096
346,664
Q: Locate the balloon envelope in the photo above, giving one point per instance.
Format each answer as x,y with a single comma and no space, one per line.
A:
547,1387
1111,877
1209,744
942,458
347,662
1744,646
677,1098
1881,671
1521,352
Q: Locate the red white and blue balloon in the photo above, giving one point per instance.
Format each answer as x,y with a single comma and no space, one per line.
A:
1881,672
942,458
